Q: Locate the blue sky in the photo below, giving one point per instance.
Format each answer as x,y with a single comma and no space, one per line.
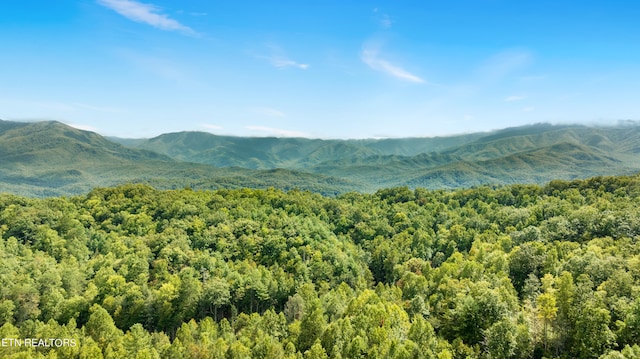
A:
324,69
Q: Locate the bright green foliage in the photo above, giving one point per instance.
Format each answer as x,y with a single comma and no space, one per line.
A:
316,352
500,340
508,272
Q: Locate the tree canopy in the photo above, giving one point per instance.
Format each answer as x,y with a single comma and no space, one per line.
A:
521,271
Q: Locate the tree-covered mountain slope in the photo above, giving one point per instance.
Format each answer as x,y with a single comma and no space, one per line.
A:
614,140
529,154
56,143
298,153
535,154
50,158
307,153
562,161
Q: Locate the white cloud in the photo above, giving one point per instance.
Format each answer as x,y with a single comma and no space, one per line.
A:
281,62
528,109
268,111
277,58
514,98
269,131
370,57
146,13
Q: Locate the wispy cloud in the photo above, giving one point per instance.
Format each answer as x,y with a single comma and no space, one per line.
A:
514,98
370,56
193,13
505,63
268,111
277,132
285,62
528,109
277,58
383,19
147,14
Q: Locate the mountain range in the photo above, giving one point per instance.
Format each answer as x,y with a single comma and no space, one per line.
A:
50,158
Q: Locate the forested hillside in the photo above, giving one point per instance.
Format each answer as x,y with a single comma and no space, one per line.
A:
520,271
532,154
44,159
299,153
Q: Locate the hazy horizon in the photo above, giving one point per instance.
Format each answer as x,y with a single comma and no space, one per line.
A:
593,124
331,70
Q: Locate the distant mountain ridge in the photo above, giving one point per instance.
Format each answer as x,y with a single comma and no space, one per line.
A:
50,158
532,154
272,152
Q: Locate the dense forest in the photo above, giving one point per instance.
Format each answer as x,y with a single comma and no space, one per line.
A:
518,271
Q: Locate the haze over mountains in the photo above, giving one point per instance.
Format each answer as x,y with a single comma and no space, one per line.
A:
50,158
